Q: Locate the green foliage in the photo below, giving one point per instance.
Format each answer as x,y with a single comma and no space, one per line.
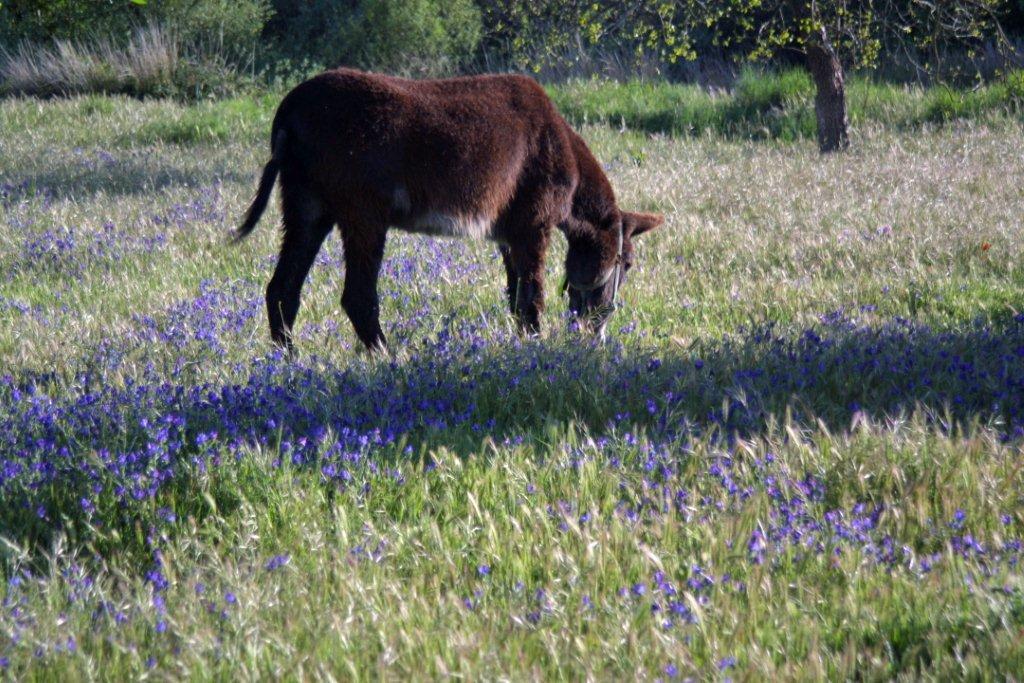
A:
441,36
179,48
45,20
1015,84
423,36
227,28
855,30
946,104
301,31
535,34
153,62
554,32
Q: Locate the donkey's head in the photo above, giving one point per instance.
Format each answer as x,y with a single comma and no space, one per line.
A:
597,262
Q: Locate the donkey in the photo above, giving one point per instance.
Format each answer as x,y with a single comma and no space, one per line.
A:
474,157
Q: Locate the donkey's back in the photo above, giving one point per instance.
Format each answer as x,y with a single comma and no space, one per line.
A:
441,156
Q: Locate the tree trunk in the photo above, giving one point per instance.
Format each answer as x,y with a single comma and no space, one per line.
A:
830,99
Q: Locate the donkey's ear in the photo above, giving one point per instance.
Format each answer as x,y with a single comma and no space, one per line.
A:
635,224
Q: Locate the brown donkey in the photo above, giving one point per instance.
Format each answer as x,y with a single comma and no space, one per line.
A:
481,157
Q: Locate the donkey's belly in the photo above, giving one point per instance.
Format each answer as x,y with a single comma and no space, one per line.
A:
442,224
468,222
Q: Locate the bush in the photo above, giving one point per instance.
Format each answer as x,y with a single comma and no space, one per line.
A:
412,36
1015,82
152,62
40,21
228,29
423,35
302,30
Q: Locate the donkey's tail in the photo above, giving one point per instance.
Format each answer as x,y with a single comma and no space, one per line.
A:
267,180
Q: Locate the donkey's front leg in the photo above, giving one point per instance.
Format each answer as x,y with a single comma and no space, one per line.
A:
364,251
527,300
512,279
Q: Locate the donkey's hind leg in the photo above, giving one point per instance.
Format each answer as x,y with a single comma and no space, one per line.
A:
305,227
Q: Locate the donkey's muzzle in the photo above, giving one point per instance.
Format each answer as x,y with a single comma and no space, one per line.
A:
592,307
600,281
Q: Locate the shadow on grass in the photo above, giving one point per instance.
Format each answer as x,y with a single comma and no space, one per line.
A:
121,452
112,177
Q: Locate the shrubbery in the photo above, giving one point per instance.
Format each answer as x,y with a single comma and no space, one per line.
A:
154,61
42,21
184,48
196,48
232,27
420,36
423,35
192,48
228,28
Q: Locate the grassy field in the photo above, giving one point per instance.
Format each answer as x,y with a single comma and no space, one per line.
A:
798,456
778,105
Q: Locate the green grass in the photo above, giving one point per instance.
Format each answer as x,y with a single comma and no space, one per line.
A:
777,105
771,105
377,576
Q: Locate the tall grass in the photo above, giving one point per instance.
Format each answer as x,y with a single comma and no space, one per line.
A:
153,62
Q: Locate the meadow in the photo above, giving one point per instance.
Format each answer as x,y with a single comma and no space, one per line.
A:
798,455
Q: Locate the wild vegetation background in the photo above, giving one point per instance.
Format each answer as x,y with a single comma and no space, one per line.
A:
197,48
799,456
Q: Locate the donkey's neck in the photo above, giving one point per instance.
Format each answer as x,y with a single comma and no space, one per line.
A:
593,203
